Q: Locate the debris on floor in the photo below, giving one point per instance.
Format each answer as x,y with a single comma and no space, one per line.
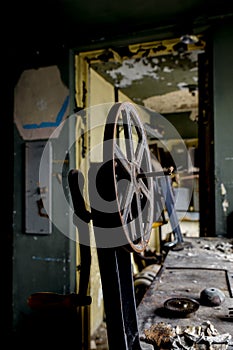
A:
205,336
99,340
223,249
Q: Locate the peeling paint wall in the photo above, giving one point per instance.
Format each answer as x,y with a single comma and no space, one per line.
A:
149,73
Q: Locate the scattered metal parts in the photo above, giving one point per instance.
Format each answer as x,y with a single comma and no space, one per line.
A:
196,336
181,246
212,297
181,306
229,316
160,334
222,247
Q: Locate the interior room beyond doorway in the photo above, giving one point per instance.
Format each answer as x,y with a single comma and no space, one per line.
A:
163,78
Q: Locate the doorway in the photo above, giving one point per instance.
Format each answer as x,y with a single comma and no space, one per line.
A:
162,77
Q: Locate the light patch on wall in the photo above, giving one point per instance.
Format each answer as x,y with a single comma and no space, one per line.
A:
41,102
100,296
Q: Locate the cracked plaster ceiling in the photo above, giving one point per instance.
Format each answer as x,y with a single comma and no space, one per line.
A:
146,77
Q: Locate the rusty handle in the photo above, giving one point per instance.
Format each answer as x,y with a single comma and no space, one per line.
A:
51,300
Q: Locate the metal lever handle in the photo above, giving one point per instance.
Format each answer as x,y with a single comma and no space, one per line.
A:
50,300
76,184
81,219
166,171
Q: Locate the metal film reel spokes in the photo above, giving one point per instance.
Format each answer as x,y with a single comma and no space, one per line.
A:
128,157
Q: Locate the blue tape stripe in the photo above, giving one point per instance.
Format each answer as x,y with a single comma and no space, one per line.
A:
50,124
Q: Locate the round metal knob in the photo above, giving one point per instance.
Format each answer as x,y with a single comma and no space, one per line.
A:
212,296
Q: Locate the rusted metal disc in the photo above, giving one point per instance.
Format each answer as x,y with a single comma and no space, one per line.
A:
126,149
181,306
